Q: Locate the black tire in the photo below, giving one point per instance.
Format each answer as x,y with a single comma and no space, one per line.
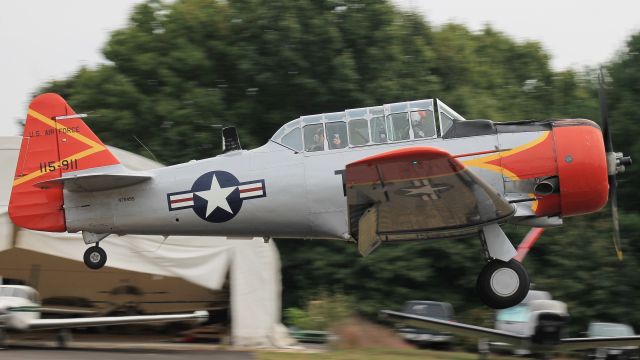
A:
506,293
95,257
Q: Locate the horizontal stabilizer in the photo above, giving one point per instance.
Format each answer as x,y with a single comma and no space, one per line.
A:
96,180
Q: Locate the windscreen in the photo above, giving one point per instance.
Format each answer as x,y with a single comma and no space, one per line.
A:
428,310
610,330
518,313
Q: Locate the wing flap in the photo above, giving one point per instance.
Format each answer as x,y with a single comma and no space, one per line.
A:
52,324
421,190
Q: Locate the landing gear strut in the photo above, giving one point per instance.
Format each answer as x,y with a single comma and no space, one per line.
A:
503,282
95,257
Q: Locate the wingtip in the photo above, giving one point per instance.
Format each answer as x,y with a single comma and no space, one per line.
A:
201,315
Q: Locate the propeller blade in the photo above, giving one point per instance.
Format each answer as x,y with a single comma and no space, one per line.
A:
606,133
608,148
613,200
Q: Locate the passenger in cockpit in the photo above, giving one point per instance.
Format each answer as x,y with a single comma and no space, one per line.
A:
336,142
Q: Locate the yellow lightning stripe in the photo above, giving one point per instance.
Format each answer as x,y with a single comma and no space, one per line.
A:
56,125
483,161
94,147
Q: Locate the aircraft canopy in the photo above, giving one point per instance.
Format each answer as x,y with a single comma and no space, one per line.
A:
403,121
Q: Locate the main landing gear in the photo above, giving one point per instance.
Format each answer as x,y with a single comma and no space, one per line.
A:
95,257
503,282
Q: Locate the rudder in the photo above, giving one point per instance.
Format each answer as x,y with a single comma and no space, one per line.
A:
50,148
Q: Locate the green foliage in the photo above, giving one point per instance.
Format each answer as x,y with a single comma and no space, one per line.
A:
320,313
179,68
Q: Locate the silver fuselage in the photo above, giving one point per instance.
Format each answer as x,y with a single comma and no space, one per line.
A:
304,191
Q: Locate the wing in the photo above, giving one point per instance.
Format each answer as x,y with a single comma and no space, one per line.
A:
50,324
417,193
570,344
454,328
48,310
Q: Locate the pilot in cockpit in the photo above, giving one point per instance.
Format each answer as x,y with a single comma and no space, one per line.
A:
318,141
420,125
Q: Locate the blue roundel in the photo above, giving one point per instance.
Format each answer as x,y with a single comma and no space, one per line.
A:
216,197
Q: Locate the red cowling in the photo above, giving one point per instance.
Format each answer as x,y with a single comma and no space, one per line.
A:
582,167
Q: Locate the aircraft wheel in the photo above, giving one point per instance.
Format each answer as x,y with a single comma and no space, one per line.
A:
95,257
502,284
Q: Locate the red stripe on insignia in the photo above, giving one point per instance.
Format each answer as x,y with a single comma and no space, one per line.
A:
251,189
181,200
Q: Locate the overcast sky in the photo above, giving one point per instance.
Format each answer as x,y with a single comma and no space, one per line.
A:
42,40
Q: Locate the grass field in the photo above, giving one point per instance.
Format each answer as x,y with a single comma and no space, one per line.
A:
372,354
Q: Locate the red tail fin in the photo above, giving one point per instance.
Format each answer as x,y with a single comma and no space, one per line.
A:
51,147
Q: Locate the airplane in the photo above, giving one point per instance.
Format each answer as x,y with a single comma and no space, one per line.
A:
540,333
20,311
414,170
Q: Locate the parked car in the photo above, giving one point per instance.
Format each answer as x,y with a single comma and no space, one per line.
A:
517,320
423,337
603,329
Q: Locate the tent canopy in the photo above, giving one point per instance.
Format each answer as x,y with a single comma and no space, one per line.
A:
253,266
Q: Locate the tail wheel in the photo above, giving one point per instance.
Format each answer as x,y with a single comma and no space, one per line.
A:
502,284
95,257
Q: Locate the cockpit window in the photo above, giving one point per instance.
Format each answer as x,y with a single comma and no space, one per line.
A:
314,137
446,122
293,139
337,135
398,126
15,292
358,132
378,130
419,119
423,124
278,133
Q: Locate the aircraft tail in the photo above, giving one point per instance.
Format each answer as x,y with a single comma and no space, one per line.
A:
55,142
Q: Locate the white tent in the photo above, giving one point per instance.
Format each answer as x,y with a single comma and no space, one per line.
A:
253,266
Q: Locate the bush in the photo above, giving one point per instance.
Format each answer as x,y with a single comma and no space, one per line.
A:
321,313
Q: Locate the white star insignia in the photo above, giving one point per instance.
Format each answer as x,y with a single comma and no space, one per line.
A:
216,197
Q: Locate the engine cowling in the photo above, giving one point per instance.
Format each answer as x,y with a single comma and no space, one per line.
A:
582,166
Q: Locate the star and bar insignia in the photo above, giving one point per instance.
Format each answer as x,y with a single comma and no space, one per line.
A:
216,196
